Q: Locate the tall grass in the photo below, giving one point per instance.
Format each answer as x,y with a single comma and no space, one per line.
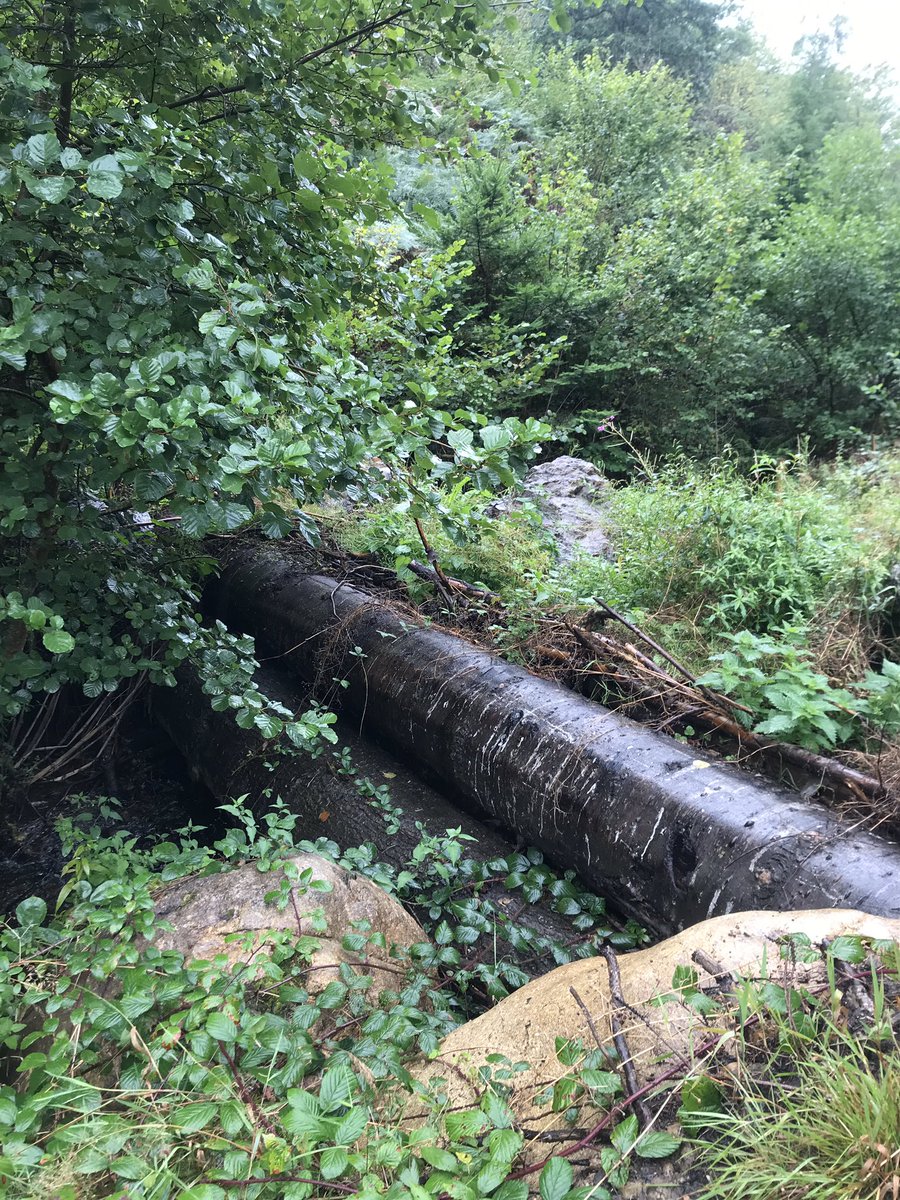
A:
829,1130
732,551
700,551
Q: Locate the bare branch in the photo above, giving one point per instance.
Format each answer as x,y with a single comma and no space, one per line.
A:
357,36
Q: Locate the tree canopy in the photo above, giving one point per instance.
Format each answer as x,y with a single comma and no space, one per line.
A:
721,262
687,36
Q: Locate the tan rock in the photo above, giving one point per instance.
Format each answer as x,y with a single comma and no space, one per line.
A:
206,911
524,1027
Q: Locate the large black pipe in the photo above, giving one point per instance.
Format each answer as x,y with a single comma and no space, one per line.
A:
328,802
671,838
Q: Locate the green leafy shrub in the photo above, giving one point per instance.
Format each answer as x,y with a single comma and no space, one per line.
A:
880,702
181,242
141,1075
496,552
629,130
776,678
752,551
778,681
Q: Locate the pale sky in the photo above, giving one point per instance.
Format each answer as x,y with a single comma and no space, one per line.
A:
873,27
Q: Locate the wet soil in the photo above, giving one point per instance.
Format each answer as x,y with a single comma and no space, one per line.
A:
146,774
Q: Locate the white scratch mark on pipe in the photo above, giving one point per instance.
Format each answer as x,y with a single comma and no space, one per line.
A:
662,813
757,856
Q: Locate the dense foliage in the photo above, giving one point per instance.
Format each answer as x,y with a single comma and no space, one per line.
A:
197,332
719,253
686,35
212,314
142,1076
190,1079
776,585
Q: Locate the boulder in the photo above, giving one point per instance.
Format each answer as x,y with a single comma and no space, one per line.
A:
225,916
571,494
526,1025
206,911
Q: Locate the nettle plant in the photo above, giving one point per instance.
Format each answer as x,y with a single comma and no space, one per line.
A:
131,1073
776,678
182,194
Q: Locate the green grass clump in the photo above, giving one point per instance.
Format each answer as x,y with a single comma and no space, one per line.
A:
813,1107
831,1132
734,551
711,549
497,552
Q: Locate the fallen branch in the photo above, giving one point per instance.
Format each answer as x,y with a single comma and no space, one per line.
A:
430,575
715,697
816,764
587,1016
551,652
599,643
615,990
443,583
254,1181
246,1094
724,979
859,785
82,740
702,959
645,637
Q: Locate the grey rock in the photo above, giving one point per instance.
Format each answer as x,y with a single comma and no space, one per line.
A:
571,495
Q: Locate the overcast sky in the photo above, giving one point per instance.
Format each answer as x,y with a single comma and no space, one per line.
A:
873,27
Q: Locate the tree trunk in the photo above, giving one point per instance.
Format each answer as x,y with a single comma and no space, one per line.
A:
670,838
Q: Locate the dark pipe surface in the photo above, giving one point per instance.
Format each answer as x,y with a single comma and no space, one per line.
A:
234,762
671,838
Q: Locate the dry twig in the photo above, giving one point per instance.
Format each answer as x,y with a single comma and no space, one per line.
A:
631,1082
443,583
